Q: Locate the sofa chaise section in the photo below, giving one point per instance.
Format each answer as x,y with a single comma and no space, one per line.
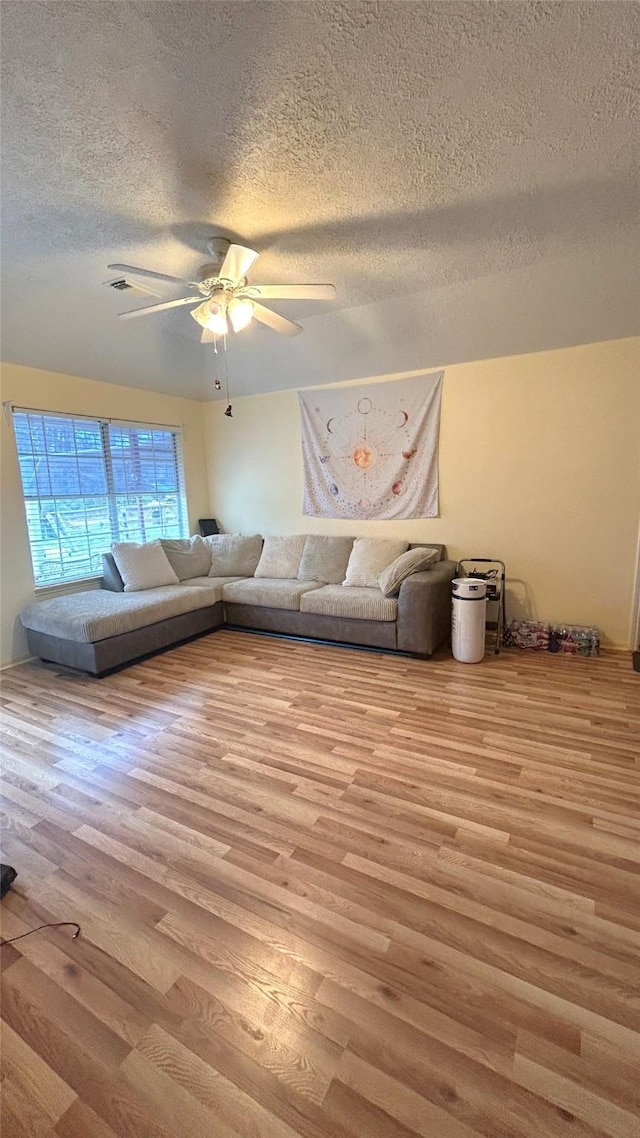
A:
99,630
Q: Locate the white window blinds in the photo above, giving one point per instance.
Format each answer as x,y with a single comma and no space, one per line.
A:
88,482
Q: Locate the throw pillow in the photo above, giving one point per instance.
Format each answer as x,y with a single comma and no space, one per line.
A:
281,557
233,554
142,566
410,562
325,559
370,555
187,556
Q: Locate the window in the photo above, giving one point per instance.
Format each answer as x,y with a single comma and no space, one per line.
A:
88,482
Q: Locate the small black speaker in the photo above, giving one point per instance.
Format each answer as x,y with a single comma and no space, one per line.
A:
7,878
208,527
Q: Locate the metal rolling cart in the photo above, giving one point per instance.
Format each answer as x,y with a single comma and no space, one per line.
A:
494,573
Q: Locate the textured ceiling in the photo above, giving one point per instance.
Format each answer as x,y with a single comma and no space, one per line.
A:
463,172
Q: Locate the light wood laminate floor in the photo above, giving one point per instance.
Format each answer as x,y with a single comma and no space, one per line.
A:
323,893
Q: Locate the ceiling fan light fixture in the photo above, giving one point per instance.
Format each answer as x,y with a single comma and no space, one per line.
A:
211,315
218,323
224,298
240,314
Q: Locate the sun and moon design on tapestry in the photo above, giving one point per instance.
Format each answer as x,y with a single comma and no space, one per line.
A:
360,444
372,452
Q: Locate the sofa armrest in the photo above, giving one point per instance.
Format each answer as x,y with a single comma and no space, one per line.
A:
424,609
111,578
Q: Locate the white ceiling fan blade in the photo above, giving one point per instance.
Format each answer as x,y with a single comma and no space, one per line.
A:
159,307
154,276
290,292
237,263
273,320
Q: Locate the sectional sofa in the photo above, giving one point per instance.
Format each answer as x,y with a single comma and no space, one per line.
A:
324,588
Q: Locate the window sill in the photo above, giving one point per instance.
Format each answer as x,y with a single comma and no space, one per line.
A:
75,586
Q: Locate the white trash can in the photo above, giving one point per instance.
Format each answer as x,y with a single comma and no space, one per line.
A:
468,619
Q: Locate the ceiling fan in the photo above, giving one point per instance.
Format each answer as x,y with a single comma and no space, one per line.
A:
222,297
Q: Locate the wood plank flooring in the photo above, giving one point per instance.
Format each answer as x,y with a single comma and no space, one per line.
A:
323,893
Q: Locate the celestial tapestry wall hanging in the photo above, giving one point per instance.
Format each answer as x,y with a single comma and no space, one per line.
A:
372,452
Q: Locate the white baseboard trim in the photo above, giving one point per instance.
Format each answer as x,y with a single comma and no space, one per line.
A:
14,663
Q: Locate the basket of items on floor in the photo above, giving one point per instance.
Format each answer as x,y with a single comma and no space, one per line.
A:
568,639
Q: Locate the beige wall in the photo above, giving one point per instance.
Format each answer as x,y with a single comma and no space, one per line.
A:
539,466
49,391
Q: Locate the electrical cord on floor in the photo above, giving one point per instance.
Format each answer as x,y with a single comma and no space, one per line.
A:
51,925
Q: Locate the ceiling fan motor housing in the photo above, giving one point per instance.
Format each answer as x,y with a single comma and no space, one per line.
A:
218,247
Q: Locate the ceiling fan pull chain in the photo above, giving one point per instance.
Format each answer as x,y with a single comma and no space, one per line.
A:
229,410
216,379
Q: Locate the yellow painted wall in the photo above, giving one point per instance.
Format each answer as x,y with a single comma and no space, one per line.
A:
539,466
49,391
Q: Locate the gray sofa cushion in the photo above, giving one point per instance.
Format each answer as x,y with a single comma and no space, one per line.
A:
188,556
276,593
98,614
111,578
234,554
355,603
325,559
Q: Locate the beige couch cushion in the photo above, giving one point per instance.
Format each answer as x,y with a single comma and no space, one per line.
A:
410,562
234,554
188,556
142,565
325,559
275,593
281,557
98,614
370,555
355,603
213,584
